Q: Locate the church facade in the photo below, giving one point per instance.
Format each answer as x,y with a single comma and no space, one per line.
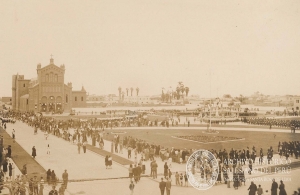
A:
47,92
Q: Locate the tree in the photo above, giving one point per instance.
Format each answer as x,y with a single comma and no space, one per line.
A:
241,98
119,89
137,91
127,91
187,89
162,97
178,92
123,93
131,90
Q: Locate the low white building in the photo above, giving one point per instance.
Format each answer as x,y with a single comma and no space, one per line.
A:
296,104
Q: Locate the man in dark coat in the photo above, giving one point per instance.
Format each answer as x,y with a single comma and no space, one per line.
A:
162,186
9,151
252,188
33,152
274,187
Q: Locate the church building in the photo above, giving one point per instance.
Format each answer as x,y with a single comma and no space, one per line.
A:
47,92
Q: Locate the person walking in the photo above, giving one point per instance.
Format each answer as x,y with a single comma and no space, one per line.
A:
168,185
65,177
260,191
162,186
48,149
33,154
131,187
274,187
13,135
282,188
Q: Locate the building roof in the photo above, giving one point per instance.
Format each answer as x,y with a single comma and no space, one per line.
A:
25,96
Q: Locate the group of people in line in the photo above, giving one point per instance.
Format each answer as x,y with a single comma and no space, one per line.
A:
272,122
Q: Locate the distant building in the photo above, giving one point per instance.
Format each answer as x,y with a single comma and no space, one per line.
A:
296,105
6,100
47,92
137,99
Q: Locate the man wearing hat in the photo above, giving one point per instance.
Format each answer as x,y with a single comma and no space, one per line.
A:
274,187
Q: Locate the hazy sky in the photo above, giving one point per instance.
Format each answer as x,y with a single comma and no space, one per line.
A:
247,46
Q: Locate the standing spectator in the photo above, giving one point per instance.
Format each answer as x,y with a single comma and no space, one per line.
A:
8,151
177,178
131,187
106,161
130,170
185,180
84,147
169,173
166,168
282,188
260,191
24,170
109,162
10,170
41,192
35,185
154,169
129,152
252,188
49,176
33,154
162,186
65,177
53,177
274,187
181,179
13,135
168,185
4,167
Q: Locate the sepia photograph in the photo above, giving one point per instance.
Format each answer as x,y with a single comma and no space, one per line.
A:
149,97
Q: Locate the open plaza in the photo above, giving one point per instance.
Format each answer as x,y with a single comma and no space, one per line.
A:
57,148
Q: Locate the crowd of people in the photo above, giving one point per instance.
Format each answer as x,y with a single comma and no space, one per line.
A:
283,123
231,161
